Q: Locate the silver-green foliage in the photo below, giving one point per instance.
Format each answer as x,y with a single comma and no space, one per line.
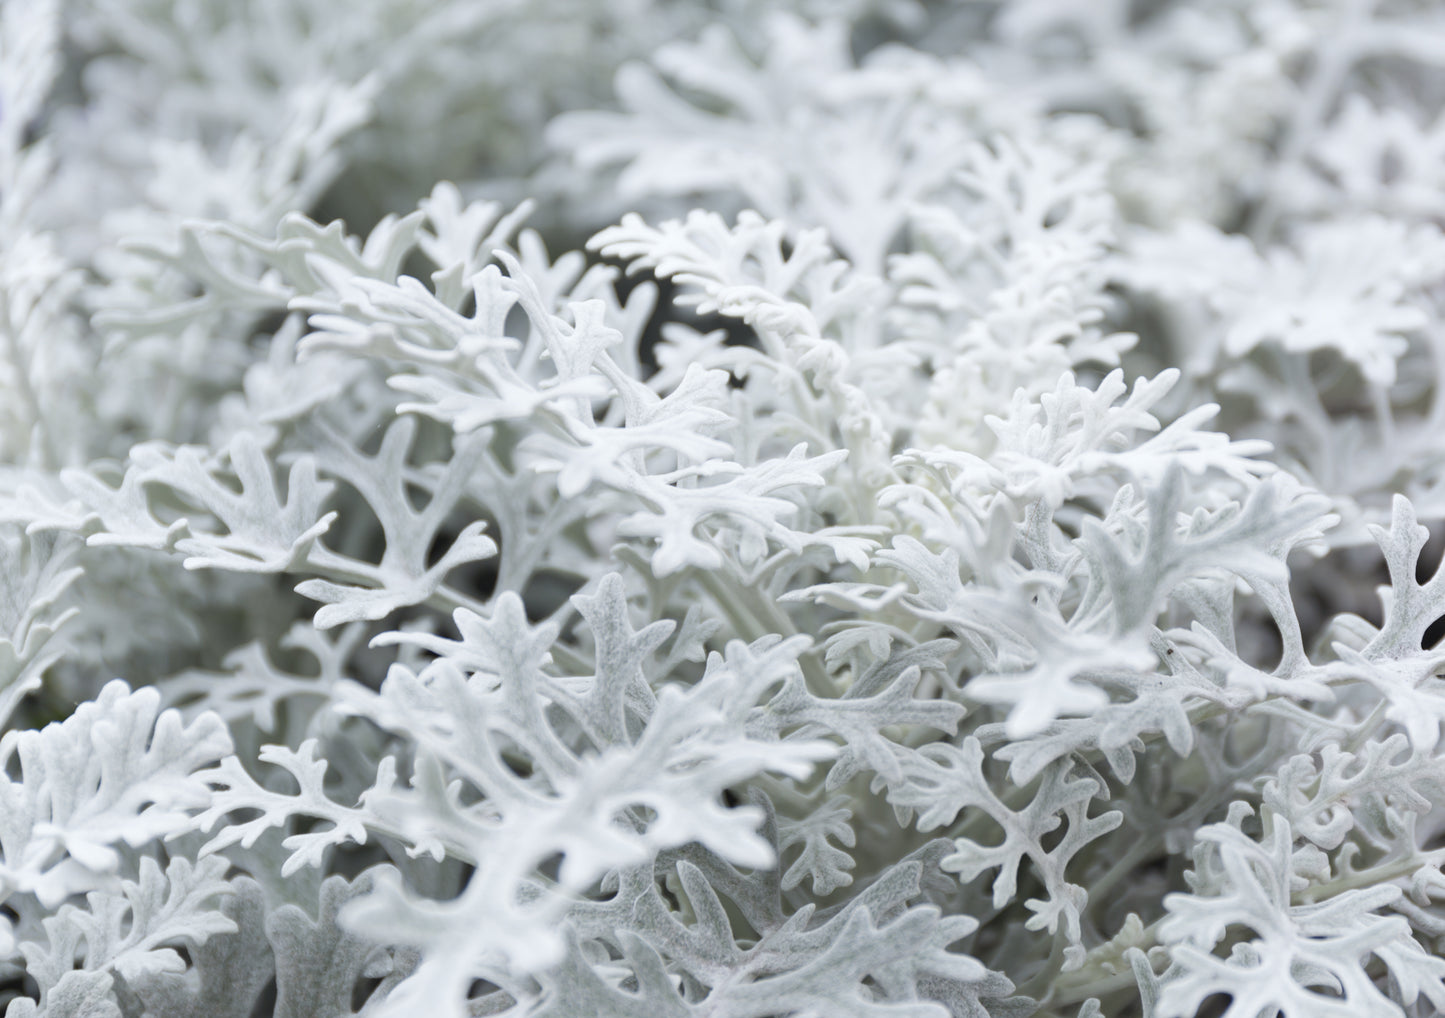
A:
803,597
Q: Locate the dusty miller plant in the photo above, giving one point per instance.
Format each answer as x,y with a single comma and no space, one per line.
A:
946,538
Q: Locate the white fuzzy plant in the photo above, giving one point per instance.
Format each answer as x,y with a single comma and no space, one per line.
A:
919,557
